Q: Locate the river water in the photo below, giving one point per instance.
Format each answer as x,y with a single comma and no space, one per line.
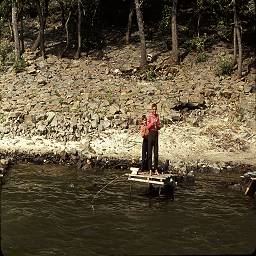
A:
47,210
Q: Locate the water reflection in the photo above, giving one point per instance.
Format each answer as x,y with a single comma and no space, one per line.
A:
47,210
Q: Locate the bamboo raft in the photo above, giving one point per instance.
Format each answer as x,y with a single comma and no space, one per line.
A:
144,177
165,183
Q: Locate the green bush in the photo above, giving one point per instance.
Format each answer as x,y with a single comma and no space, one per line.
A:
150,74
20,65
165,23
198,43
5,49
224,66
224,31
201,57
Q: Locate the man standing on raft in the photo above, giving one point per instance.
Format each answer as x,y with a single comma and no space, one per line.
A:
153,125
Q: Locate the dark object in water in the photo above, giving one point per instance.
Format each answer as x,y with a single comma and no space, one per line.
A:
167,190
250,190
249,181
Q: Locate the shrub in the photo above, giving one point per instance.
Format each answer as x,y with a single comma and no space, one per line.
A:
198,43
20,65
150,74
5,49
165,23
223,30
201,57
224,66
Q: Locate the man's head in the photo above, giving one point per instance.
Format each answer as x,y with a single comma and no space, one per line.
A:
154,108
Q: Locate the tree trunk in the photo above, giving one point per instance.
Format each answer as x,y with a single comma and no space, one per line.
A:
198,24
235,47
143,59
62,7
78,52
237,41
67,34
234,36
240,57
40,10
36,43
10,28
22,28
175,52
129,24
15,31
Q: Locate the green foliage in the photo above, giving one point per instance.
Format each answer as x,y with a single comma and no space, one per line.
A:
150,74
110,96
198,43
201,57
19,65
165,22
224,30
1,26
5,7
5,50
224,66
2,117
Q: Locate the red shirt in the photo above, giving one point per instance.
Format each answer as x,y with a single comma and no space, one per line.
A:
153,122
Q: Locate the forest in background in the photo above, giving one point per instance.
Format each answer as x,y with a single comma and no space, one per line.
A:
81,26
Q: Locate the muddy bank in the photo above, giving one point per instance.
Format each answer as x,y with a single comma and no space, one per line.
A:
42,151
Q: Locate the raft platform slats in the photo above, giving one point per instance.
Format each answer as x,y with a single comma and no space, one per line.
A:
147,181
158,179
251,178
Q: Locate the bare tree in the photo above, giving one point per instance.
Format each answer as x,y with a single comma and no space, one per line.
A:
78,51
41,7
15,30
67,33
175,51
129,23
237,41
62,7
40,10
143,59
22,46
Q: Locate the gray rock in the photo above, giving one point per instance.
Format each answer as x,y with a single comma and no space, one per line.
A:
4,129
41,128
175,115
92,105
249,88
32,69
113,109
105,123
50,116
94,123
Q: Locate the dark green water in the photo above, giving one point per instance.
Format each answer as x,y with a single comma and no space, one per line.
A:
46,210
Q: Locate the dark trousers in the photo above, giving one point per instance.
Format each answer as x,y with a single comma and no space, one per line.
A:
153,143
144,155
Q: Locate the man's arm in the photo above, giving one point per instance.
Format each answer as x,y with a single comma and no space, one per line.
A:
150,122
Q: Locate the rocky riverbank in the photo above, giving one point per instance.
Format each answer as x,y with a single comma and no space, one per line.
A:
91,108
